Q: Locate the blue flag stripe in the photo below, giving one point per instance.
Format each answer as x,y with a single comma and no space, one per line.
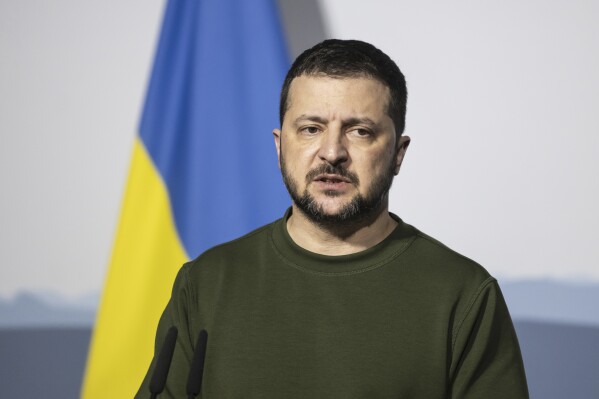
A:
209,113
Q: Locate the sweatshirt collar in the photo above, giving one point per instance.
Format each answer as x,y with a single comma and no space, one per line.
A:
374,257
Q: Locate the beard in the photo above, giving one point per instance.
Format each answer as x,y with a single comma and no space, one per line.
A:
357,210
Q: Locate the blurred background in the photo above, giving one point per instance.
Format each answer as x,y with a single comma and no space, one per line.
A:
503,166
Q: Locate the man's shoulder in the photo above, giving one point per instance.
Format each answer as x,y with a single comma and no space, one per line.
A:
435,260
435,247
240,249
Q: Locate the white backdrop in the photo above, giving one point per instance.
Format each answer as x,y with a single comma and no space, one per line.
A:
503,115
72,81
501,111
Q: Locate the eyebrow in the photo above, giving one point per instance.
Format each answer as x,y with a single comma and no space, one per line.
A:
346,122
310,118
360,121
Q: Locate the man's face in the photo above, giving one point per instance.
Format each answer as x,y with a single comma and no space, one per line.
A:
337,150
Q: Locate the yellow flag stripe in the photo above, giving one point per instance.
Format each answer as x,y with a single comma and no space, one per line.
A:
146,257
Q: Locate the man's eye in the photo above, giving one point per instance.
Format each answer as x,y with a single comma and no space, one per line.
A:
310,129
361,132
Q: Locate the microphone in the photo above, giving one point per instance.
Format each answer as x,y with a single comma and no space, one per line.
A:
163,363
196,370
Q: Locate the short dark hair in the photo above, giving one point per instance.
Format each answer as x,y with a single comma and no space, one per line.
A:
351,58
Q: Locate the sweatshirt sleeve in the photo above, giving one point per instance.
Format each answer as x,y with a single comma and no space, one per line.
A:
175,314
486,358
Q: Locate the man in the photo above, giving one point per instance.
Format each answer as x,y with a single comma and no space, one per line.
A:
340,298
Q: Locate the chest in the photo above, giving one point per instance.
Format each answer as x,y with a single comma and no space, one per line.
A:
311,337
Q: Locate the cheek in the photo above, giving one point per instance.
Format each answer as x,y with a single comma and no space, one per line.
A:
298,157
291,162
370,160
375,163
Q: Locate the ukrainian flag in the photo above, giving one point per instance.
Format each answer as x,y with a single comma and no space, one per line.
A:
204,171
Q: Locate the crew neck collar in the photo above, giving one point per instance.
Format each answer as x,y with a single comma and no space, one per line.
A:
380,254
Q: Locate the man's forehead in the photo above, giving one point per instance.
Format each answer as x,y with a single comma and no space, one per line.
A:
322,79
314,91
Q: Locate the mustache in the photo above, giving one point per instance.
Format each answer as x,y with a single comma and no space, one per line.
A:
332,170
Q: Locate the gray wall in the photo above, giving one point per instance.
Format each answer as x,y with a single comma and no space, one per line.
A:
49,362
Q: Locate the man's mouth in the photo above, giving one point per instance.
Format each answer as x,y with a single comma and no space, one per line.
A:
332,179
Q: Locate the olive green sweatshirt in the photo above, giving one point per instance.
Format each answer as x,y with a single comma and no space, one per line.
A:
407,318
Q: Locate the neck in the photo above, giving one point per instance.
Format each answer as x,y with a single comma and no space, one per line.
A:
340,239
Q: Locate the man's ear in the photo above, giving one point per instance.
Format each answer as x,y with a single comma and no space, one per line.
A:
277,134
400,151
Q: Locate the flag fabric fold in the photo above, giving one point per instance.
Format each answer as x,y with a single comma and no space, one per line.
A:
203,171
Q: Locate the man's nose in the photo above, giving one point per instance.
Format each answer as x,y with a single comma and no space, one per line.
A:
333,148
